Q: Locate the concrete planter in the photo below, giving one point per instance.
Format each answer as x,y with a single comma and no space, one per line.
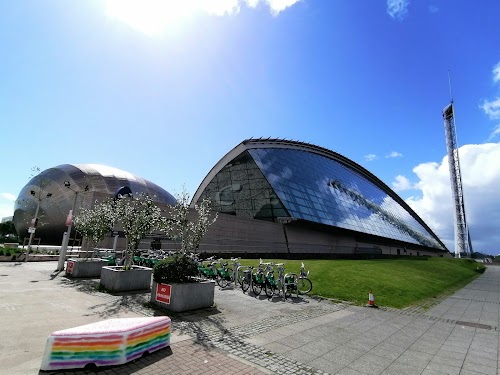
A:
10,245
183,297
116,279
85,267
7,258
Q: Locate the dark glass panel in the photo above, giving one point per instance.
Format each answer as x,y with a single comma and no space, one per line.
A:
241,188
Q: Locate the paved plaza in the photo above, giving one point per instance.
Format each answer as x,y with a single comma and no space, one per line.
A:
244,334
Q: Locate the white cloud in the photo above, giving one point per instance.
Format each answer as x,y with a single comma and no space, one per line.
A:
401,184
8,196
370,157
494,133
496,73
153,17
492,108
7,204
398,9
277,6
480,179
394,154
219,8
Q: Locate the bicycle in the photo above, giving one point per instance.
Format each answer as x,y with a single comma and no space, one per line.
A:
304,285
274,286
224,274
253,280
208,271
259,279
237,271
111,259
246,282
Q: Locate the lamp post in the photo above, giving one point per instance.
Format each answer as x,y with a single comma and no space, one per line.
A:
67,234
34,222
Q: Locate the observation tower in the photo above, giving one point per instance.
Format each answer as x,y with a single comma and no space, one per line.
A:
462,238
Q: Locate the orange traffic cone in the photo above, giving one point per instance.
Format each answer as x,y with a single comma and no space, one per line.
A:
371,300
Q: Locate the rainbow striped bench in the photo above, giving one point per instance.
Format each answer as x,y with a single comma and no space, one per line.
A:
106,343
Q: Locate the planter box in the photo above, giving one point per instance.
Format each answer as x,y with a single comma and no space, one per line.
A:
11,245
183,297
85,267
116,279
7,258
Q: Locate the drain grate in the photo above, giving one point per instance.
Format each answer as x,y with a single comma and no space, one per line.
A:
473,325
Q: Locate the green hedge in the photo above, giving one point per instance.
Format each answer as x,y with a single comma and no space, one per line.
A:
178,268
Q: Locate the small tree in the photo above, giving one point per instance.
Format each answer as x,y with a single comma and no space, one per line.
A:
96,222
139,216
179,224
8,230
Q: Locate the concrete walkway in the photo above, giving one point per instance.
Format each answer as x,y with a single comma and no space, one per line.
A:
244,334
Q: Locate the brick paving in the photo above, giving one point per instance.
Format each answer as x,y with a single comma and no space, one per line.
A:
185,357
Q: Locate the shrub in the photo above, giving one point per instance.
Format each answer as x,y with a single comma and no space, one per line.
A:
178,268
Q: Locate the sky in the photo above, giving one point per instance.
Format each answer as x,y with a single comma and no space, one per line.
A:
164,89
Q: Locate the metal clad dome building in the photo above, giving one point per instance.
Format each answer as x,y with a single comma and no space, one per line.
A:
285,196
57,189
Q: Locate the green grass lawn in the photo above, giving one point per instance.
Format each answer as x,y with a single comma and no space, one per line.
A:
395,282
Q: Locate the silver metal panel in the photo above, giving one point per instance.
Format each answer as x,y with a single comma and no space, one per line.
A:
55,199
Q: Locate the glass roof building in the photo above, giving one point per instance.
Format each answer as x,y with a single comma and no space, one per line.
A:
303,185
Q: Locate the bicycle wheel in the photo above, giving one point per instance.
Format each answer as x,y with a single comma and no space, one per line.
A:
287,291
241,276
278,288
229,275
270,288
304,285
245,282
221,281
257,288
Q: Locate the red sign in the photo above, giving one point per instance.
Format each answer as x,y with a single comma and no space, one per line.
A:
163,293
70,266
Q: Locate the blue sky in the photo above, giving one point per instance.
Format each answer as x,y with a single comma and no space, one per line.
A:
165,90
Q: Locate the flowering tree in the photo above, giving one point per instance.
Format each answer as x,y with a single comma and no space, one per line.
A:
139,216
96,222
191,232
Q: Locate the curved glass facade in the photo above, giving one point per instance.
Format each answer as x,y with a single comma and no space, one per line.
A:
271,183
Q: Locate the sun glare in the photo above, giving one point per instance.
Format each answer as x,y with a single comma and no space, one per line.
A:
151,16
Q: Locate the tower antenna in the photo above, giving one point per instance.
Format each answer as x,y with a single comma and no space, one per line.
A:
449,85
463,243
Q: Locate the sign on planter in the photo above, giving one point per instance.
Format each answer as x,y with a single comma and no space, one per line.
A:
70,266
163,293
